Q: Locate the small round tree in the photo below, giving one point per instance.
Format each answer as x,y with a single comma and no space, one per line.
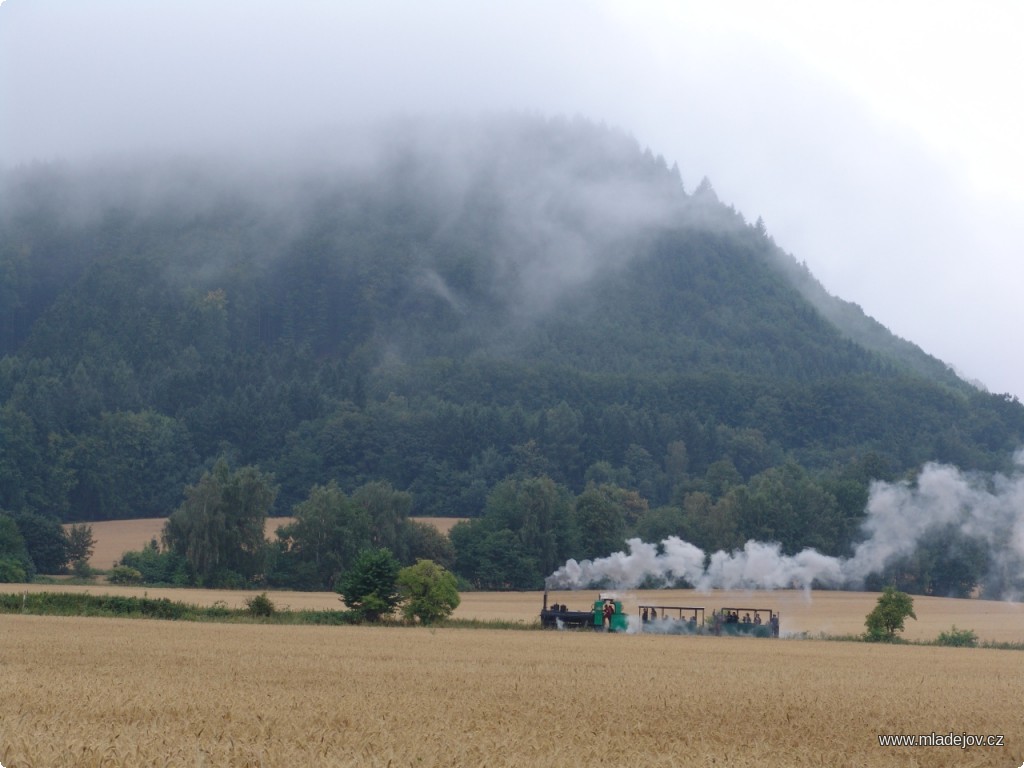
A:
369,587
889,614
429,592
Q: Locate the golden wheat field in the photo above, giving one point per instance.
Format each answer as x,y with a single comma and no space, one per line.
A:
113,692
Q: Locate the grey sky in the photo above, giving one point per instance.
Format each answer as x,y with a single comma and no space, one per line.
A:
879,141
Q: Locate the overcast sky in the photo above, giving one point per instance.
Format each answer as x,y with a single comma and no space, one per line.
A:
880,141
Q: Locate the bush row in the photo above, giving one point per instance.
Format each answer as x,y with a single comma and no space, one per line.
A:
83,604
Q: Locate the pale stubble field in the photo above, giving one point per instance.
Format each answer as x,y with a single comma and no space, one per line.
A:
811,613
112,692
115,537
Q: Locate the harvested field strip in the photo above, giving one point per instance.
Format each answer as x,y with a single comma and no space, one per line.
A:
109,692
115,537
832,613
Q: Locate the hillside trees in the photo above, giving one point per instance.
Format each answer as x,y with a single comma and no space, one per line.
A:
413,331
713,523
946,563
523,535
784,504
600,522
129,465
34,473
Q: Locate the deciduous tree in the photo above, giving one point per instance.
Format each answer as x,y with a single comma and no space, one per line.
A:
889,615
369,587
81,543
15,564
45,541
429,592
219,528
327,534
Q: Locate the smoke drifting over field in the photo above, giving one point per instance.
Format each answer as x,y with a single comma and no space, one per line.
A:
986,509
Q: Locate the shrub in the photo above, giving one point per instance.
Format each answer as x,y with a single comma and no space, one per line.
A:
224,578
83,604
11,571
123,574
218,610
156,566
260,605
331,618
958,638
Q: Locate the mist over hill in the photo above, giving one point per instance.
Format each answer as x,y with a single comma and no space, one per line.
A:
443,305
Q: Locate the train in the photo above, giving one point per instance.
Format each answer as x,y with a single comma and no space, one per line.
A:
606,613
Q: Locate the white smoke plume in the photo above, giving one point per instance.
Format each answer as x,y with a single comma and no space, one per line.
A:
757,566
988,509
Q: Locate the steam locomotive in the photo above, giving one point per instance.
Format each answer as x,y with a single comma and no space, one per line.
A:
607,614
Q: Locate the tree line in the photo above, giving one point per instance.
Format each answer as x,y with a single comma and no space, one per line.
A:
530,525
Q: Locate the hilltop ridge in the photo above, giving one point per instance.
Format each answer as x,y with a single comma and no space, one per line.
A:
439,306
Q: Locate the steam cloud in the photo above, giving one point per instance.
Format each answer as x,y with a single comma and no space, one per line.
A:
988,509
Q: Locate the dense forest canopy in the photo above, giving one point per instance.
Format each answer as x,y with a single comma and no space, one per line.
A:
472,312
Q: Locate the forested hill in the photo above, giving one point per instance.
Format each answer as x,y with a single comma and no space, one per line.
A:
440,307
